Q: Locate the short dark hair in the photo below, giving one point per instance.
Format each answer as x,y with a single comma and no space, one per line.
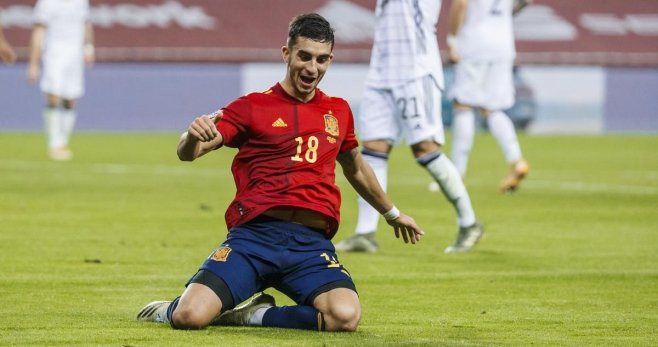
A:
312,26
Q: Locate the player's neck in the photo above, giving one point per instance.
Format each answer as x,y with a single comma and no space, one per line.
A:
290,90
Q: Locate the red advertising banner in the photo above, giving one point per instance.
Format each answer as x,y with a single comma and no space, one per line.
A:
605,32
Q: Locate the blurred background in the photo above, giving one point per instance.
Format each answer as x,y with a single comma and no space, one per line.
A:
583,67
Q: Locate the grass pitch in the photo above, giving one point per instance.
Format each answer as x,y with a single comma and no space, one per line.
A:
570,259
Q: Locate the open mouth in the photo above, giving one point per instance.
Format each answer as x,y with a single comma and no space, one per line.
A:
307,80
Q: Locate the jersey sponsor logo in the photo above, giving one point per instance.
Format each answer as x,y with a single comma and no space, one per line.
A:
279,123
331,124
221,254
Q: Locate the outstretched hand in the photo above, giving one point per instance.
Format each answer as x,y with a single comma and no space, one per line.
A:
406,226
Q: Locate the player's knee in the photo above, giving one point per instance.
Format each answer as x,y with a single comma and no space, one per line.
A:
185,318
378,146
343,317
68,104
484,112
424,148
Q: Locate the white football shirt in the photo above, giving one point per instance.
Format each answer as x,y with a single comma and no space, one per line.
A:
64,21
405,45
487,32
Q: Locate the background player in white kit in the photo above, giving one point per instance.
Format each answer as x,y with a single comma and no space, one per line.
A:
63,37
403,98
481,42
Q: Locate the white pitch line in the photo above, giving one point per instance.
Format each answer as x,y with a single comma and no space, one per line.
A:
592,187
116,169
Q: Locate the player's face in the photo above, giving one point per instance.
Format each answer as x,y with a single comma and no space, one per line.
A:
307,62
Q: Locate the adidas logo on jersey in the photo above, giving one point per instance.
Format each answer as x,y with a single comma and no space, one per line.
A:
279,123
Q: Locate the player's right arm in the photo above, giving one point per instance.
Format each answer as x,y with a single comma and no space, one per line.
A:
36,41
457,14
200,138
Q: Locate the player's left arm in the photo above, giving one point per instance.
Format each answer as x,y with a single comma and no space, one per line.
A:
520,5
90,55
363,179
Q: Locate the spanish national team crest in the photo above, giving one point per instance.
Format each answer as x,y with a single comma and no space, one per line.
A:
221,254
331,124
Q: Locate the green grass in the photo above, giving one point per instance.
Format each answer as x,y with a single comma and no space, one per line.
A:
570,259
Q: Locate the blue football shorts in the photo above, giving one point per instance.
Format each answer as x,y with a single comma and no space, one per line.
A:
271,253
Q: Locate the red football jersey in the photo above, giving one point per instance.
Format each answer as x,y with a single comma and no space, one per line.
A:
287,153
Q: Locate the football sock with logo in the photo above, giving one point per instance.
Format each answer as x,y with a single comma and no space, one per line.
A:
170,311
502,128
294,317
463,130
452,186
368,217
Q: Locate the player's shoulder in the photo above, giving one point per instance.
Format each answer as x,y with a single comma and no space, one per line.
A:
260,95
332,99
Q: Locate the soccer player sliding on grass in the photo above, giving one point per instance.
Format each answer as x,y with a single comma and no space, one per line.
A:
287,204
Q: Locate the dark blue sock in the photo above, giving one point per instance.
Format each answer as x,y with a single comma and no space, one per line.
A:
170,311
294,317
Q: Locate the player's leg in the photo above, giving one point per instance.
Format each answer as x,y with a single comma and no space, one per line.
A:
72,89
463,132
423,129
55,81
54,128
377,129
333,307
340,309
466,92
194,309
429,155
228,276
375,153
321,286
303,275
68,115
499,91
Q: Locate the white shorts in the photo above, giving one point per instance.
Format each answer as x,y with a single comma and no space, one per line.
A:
486,84
63,73
412,109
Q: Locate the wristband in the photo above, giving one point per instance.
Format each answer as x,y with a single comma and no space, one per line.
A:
392,214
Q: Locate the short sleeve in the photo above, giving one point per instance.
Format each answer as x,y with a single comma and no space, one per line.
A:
235,121
350,141
40,13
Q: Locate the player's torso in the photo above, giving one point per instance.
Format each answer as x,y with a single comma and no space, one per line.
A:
487,31
64,20
405,44
292,143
